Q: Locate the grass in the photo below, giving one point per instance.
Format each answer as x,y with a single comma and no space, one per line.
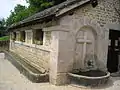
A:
4,38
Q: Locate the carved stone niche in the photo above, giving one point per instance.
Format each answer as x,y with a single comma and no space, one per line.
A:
85,49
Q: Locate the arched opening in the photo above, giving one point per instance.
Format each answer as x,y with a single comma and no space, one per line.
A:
86,45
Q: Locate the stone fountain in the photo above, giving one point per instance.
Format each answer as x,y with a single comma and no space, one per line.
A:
91,74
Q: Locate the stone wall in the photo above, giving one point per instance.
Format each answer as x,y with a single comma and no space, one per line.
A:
96,18
4,45
47,37
63,42
104,13
64,37
36,55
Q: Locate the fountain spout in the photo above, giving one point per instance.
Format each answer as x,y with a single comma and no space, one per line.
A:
90,63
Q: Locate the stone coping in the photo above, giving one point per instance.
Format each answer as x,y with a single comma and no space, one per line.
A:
88,81
41,47
88,77
30,72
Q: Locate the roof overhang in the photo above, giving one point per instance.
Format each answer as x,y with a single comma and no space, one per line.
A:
50,13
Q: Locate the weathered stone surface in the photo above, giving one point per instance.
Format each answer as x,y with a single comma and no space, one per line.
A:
26,69
61,57
60,79
73,37
87,80
36,57
93,21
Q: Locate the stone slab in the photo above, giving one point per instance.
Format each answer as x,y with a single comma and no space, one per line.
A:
2,55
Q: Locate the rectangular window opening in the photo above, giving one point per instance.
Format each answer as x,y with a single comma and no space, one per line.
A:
38,37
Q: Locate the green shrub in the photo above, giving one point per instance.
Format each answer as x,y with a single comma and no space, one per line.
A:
4,38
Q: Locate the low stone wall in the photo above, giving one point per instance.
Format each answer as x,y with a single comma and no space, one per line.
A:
4,45
38,58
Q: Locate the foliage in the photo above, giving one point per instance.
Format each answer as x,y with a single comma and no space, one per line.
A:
17,15
39,5
2,28
4,38
2,24
21,12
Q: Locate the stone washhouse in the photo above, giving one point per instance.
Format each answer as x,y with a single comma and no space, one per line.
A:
74,35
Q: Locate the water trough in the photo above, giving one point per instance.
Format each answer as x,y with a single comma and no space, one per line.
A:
26,69
89,78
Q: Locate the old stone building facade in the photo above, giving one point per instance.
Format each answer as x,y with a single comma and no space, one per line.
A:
65,37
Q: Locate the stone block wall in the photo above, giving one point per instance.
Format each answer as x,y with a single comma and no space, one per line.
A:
47,37
104,13
63,41
98,18
36,55
94,19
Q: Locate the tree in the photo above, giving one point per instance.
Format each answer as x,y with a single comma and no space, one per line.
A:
21,12
10,19
39,5
17,15
58,1
2,27
43,4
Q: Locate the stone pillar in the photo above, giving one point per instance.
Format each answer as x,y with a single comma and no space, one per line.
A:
61,58
10,44
29,36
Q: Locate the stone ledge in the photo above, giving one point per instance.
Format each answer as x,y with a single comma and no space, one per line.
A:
40,47
88,81
30,72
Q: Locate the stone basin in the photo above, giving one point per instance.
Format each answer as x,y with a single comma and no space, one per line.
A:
26,69
89,78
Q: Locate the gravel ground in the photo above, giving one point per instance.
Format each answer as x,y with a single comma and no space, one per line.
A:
11,79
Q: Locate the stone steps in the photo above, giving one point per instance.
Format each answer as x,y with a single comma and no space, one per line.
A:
26,69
